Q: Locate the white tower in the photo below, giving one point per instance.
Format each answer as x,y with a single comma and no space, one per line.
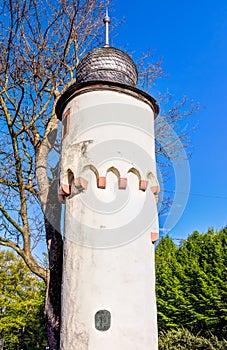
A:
109,187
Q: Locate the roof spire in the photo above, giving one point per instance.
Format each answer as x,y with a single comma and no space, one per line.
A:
106,20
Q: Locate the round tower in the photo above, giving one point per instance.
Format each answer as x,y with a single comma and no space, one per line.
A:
109,186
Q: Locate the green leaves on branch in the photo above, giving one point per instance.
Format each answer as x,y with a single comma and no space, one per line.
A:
21,305
182,339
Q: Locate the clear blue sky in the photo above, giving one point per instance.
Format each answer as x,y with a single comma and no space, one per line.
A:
191,37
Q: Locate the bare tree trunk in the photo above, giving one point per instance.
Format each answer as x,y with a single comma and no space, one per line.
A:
53,296
52,210
55,250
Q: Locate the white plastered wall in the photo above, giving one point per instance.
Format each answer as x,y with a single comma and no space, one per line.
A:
108,253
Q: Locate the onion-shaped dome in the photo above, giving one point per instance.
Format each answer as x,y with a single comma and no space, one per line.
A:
107,64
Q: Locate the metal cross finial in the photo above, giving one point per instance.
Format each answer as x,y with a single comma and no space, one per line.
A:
107,22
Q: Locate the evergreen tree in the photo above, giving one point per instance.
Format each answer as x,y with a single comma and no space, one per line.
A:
191,283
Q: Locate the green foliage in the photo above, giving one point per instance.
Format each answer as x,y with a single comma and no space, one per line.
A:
21,305
191,283
182,339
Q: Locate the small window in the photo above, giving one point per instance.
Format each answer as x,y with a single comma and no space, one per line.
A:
102,320
65,123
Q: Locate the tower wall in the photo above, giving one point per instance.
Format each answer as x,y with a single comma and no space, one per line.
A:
108,182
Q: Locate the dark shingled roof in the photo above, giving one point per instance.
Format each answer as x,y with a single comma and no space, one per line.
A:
107,64
105,68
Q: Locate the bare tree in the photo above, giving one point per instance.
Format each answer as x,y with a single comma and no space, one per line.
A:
41,44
